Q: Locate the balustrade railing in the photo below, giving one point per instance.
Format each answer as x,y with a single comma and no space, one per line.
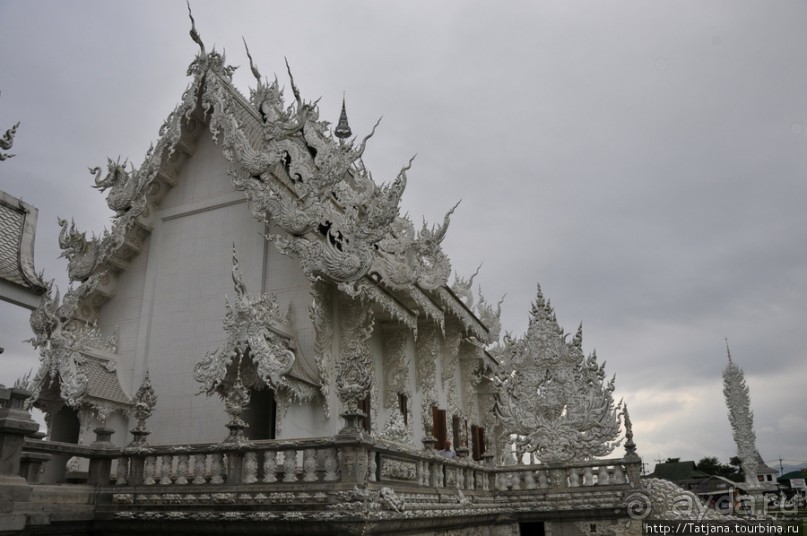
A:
312,461
566,476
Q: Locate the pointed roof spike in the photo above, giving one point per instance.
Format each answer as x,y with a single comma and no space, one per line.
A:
578,337
252,67
342,130
293,85
728,350
194,34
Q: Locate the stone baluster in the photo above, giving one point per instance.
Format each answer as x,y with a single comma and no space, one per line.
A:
372,472
558,478
439,475
270,466
182,469
331,466
460,477
543,481
310,465
250,468
150,471
122,471
602,476
165,469
217,468
427,473
199,468
289,466
516,475
588,477
618,477
574,478
529,480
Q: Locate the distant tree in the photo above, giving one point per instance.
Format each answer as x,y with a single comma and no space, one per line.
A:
672,460
804,472
712,466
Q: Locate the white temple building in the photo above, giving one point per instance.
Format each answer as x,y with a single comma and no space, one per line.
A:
262,339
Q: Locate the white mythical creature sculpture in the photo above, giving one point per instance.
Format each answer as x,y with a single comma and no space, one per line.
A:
83,256
123,186
552,400
7,141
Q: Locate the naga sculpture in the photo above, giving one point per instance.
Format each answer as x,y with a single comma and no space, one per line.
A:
552,400
123,186
83,256
7,141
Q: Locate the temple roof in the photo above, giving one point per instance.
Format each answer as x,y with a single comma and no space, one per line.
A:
323,204
103,383
19,283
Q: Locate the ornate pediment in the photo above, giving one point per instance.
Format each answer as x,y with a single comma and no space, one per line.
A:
258,349
552,400
76,359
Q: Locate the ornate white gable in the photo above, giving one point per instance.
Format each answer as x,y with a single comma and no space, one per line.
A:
552,400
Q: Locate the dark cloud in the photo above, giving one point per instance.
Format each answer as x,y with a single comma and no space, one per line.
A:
645,164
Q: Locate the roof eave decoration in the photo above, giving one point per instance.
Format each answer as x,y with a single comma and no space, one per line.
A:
257,351
18,220
554,400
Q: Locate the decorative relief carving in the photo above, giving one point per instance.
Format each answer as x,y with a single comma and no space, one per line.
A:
354,370
145,401
551,398
396,430
321,314
451,346
396,364
393,469
427,351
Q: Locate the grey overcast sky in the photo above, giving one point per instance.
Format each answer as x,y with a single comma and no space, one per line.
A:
644,161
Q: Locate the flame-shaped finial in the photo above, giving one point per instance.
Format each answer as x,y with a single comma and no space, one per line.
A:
252,66
194,34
